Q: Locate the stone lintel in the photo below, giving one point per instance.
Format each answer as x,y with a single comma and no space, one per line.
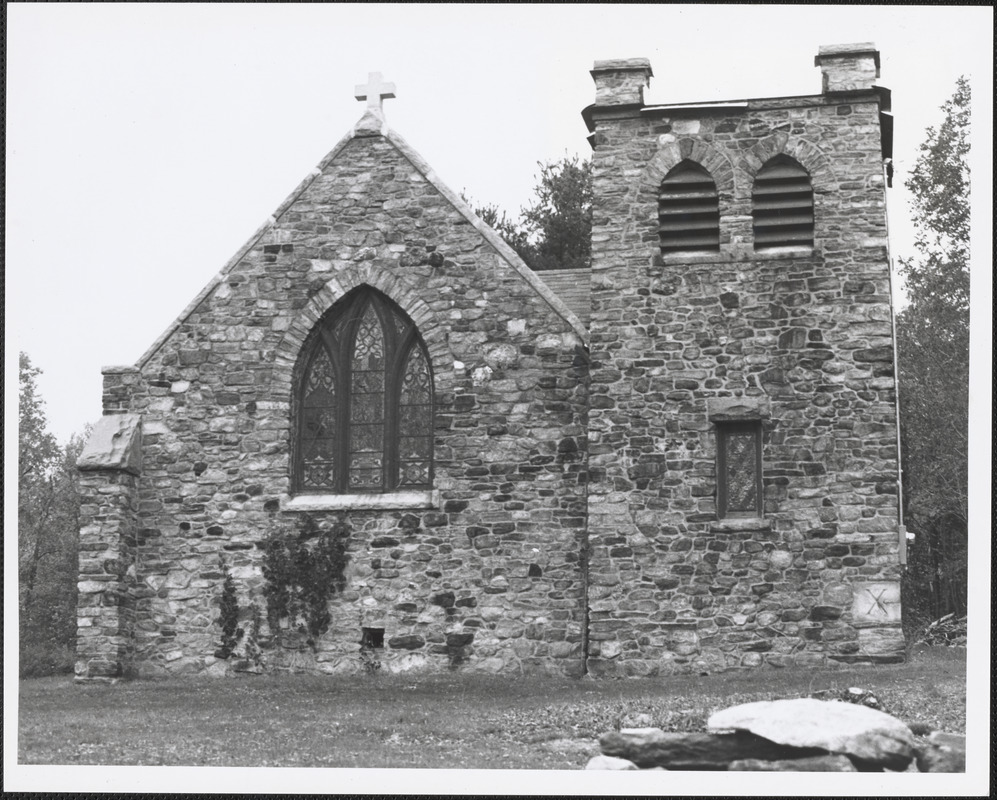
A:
732,525
360,502
115,444
734,409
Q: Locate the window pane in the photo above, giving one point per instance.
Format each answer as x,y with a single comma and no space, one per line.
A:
415,422
416,419
367,405
416,386
415,447
318,424
367,438
741,464
366,471
414,473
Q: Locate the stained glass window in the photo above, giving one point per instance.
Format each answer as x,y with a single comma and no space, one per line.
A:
319,424
415,423
739,469
365,401
367,405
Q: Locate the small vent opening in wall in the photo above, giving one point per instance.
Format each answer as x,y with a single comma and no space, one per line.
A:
372,638
688,211
782,205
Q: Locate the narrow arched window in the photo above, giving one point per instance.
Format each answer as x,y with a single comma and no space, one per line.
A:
688,210
364,401
782,205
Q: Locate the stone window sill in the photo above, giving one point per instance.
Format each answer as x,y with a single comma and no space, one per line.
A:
735,524
789,251
363,502
738,254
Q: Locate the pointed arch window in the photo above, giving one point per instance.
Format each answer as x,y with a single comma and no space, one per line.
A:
688,210
782,205
364,402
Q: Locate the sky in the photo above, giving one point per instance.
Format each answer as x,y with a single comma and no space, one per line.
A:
146,143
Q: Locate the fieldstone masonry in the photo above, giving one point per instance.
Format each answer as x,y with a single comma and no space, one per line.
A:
572,523
797,337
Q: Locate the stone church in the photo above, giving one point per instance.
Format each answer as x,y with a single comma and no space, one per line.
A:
378,440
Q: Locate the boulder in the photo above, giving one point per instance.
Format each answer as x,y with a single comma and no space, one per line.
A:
652,747
872,739
943,752
828,763
609,762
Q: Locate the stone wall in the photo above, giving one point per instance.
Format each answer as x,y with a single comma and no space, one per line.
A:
800,337
489,577
573,523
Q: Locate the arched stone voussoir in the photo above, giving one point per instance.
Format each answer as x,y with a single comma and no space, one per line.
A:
671,154
810,157
399,289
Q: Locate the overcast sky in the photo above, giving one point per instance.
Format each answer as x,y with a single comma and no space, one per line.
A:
146,143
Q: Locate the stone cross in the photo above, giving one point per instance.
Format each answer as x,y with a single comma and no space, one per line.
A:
374,91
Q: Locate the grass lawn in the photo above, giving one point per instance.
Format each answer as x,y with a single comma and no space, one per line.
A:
438,721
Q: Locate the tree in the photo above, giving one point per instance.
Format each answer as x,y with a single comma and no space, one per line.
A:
48,511
555,231
512,232
933,367
37,452
560,217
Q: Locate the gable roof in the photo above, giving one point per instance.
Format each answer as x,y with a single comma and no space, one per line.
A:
372,123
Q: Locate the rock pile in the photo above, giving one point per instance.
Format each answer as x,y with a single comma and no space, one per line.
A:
853,694
801,735
948,631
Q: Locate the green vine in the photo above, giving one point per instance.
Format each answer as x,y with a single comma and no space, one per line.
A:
302,573
228,617
254,651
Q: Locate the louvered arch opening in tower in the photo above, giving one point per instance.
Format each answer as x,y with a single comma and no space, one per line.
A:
782,205
688,210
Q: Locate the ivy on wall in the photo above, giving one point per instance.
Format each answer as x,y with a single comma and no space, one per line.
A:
228,617
302,572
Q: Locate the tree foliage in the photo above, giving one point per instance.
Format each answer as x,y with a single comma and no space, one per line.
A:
933,367
555,230
48,521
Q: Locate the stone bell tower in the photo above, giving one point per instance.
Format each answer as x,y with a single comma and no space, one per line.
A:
742,431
